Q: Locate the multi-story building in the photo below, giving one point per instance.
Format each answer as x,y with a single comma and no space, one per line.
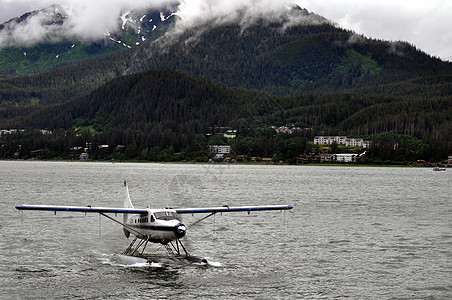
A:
342,140
345,157
329,139
220,149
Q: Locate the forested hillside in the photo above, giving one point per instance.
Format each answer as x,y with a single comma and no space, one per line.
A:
301,59
168,98
166,115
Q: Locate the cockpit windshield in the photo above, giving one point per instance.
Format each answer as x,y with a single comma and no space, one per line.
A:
166,215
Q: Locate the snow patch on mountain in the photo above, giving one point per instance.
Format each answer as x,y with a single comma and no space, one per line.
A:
125,19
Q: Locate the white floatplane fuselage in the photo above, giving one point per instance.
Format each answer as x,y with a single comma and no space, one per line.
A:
158,226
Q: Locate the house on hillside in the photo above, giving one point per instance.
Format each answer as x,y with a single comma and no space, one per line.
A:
219,149
287,130
76,150
315,155
36,153
345,157
230,134
357,143
341,140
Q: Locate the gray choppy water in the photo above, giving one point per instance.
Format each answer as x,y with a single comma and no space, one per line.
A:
359,233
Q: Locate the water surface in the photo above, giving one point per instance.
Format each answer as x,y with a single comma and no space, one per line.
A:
354,232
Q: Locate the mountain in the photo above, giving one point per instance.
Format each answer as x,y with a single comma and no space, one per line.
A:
169,92
279,56
44,39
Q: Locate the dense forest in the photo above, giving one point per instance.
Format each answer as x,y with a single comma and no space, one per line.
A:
171,116
170,101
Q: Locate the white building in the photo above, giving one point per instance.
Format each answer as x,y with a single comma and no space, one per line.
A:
329,139
220,149
354,142
230,134
342,140
345,157
10,131
287,130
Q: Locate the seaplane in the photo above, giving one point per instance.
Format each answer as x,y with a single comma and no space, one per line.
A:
160,226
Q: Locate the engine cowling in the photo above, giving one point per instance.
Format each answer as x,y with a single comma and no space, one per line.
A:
180,230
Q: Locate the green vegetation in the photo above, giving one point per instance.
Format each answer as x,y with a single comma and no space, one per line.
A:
45,56
170,116
357,63
312,77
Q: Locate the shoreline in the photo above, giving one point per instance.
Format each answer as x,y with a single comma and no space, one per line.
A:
224,163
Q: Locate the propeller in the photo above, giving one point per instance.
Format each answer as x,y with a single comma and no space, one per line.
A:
180,230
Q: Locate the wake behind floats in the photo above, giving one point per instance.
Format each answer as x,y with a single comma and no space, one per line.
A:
161,226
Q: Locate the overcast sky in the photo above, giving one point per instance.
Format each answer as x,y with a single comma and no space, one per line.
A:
426,24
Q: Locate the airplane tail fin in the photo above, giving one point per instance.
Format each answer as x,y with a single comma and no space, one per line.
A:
127,204
127,201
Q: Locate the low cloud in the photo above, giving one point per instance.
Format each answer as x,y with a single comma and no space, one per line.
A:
244,12
88,20
203,14
40,26
423,23
83,20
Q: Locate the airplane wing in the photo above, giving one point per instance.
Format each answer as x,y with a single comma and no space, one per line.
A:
89,209
85,209
223,209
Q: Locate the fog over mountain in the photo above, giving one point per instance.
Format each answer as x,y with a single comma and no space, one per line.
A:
93,20
81,20
423,23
